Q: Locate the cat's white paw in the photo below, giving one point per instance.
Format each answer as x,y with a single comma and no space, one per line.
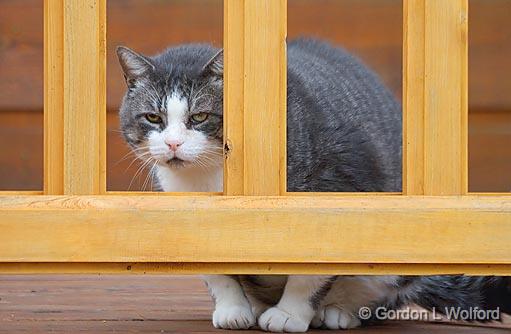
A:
233,317
333,317
277,320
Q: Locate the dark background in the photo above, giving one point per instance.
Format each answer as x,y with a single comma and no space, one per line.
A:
372,29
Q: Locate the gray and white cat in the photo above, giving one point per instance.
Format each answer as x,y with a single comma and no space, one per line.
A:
344,134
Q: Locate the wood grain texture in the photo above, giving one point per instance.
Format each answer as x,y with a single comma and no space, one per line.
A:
448,230
234,30
369,28
54,97
490,152
445,97
413,96
255,97
145,304
264,66
282,91
84,96
101,96
21,151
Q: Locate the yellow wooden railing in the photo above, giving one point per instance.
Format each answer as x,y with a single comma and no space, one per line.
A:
434,226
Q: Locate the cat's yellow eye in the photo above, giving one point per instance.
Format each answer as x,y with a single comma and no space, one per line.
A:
200,117
153,118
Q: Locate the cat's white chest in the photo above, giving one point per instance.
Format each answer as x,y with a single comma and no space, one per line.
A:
191,179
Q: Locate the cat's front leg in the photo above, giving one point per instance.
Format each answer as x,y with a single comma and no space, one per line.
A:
232,309
298,304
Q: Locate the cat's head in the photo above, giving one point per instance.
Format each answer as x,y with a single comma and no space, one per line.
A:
171,114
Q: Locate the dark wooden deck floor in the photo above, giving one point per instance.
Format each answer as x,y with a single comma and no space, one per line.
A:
138,304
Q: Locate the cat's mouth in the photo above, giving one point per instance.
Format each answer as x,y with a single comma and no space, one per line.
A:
175,162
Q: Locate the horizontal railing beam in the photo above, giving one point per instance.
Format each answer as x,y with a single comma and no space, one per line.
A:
363,230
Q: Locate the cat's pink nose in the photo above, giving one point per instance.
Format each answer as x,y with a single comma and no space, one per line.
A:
174,144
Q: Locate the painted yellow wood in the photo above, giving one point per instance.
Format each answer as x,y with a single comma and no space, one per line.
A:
233,97
264,73
101,102
282,90
84,96
53,97
253,268
413,96
393,229
445,98
309,233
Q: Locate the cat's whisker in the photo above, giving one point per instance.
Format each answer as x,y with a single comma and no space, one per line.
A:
144,185
137,158
199,164
126,156
152,177
214,152
129,154
151,173
133,150
206,162
139,170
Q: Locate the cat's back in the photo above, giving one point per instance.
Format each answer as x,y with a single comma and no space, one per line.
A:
344,126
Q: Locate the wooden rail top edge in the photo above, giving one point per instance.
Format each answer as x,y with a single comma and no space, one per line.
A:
149,203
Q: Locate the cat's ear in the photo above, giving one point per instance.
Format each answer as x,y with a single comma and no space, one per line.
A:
133,65
215,66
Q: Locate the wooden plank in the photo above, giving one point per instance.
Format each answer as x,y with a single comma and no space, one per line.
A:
54,97
413,96
241,268
394,229
151,325
369,28
101,298
84,96
21,150
282,90
233,97
146,304
264,68
490,152
101,96
445,99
